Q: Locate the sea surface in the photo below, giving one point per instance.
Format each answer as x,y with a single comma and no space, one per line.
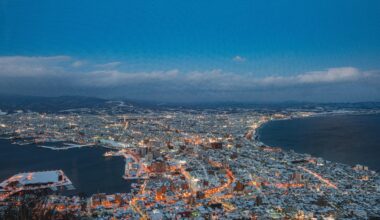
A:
349,139
86,167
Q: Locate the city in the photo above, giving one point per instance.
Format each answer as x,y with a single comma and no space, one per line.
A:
201,110
205,164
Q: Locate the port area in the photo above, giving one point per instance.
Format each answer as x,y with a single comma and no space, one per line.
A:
54,180
134,166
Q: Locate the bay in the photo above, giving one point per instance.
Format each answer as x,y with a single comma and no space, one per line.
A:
86,167
349,139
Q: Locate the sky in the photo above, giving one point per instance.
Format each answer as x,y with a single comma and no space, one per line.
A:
192,51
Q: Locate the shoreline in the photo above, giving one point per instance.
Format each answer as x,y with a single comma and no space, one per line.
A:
259,129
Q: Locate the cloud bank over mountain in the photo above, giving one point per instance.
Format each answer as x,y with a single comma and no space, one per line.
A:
65,75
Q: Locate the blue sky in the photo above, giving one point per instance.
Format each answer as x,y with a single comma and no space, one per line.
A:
227,42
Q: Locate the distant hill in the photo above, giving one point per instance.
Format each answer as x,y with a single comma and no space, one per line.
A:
263,105
48,104
12,103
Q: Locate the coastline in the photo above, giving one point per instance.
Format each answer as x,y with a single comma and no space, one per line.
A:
258,132
328,114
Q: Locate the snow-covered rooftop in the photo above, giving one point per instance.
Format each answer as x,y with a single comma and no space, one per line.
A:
43,177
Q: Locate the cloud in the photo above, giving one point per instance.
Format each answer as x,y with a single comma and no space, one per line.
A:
78,63
108,65
109,75
217,81
239,59
66,74
331,75
20,66
104,78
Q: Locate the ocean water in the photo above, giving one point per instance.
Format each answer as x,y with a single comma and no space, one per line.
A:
349,139
87,168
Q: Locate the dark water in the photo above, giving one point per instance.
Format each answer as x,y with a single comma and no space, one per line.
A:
349,139
86,167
